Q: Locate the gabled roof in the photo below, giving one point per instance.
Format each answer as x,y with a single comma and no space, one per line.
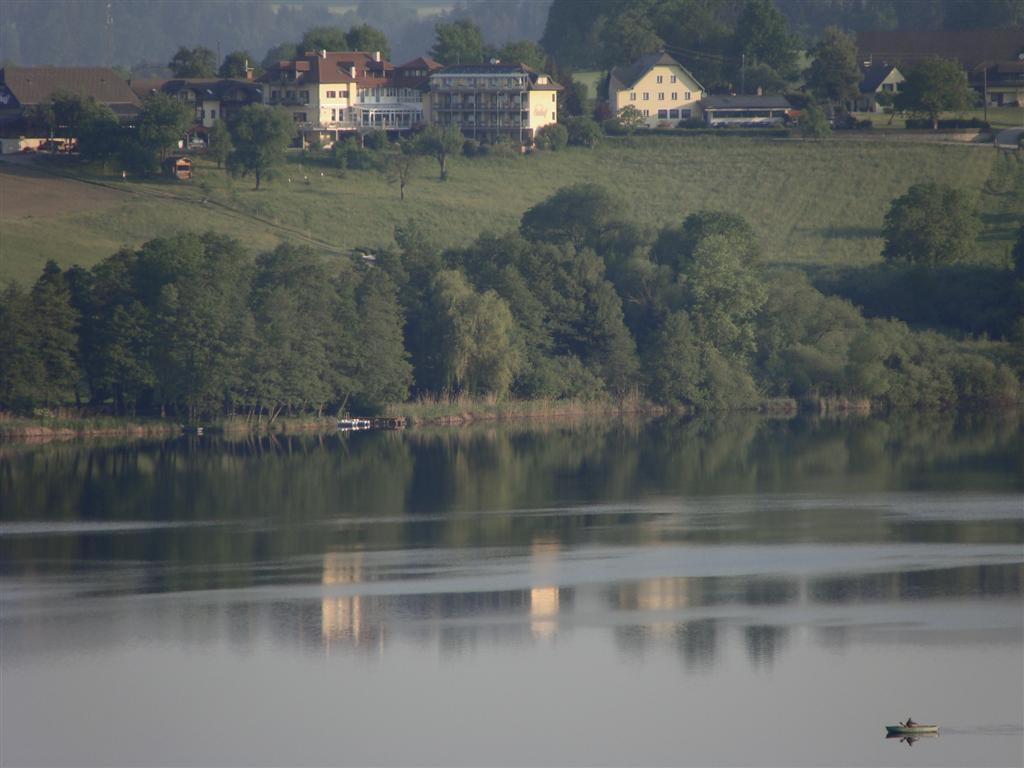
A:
872,77
970,47
627,76
744,102
208,88
421,62
32,85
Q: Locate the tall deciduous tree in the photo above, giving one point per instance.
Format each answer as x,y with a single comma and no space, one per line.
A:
763,37
440,143
236,64
220,142
580,215
931,224
834,75
193,62
459,42
163,121
932,87
523,52
363,37
260,135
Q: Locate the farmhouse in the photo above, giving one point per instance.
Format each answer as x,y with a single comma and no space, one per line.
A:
22,88
487,101
877,80
753,111
659,86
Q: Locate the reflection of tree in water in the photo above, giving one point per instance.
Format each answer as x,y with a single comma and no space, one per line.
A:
938,583
764,642
697,642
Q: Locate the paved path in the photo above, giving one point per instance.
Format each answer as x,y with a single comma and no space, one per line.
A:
1008,138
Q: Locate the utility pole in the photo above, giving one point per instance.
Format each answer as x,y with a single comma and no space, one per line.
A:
984,90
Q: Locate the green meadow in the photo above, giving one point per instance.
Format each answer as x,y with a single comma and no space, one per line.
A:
811,203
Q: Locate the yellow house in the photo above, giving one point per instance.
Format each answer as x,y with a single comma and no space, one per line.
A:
661,88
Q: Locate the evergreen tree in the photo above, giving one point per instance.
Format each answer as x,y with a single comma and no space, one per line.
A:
54,335
383,370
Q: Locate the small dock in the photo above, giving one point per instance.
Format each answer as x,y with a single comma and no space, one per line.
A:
378,422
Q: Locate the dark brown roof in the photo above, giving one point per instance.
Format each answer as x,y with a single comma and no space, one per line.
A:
628,75
32,85
970,47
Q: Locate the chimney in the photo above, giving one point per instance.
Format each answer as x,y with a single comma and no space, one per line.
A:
323,53
376,55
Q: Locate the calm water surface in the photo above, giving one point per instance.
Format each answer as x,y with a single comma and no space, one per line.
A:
726,592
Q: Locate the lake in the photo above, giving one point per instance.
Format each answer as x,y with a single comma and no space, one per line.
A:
729,591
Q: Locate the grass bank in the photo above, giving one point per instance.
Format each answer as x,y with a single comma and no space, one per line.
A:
809,202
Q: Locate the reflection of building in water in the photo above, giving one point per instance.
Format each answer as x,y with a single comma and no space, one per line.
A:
544,611
544,600
343,618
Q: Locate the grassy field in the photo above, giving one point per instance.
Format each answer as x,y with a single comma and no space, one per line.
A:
810,202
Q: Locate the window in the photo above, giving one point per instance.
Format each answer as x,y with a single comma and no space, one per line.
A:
687,97
675,95
673,78
662,114
661,96
647,96
660,78
632,95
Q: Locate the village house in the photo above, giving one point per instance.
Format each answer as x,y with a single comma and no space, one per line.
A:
330,93
661,88
992,58
23,88
211,99
876,80
488,101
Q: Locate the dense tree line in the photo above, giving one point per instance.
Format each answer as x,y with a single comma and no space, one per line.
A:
578,302
742,44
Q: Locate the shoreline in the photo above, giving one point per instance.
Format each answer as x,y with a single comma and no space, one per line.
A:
30,430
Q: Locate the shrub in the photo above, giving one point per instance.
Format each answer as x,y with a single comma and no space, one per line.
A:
583,132
348,154
375,139
552,137
924,124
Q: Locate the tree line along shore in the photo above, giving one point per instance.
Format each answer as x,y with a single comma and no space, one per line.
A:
579,304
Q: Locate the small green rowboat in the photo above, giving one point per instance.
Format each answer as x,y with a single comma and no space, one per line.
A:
909,730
